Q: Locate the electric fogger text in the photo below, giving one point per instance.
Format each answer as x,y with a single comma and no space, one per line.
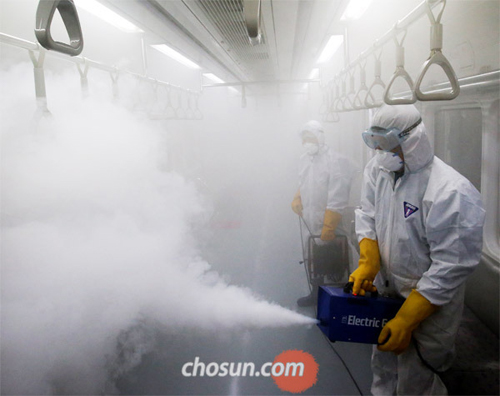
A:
353,320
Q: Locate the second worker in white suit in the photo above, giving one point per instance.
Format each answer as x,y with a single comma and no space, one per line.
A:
324,185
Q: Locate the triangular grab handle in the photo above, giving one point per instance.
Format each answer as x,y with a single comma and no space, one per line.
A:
45,14
438,58
370,101
400,73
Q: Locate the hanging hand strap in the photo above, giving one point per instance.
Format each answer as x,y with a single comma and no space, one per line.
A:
332,115
198,115
400,72
370,100
84,81
357,103
114,81
67,10
348,102
437,57
336,105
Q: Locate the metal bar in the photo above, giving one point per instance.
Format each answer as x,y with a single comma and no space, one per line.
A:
79,60
479,80
17,42
270,82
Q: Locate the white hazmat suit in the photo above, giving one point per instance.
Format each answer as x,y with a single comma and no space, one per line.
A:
324,181
428,225
324,186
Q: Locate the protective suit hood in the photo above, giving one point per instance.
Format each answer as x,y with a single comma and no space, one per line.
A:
315,129
416,148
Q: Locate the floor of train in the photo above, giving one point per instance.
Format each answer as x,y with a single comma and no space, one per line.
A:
160,372
262,254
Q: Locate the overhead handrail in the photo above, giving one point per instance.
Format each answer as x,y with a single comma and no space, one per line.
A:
37,55
436,57
44,15
357,103
400,72
377,82
351,95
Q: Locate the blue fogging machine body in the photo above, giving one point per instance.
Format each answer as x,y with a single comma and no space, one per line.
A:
343,316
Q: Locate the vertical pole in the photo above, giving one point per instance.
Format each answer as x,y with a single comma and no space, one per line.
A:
39,74
346,48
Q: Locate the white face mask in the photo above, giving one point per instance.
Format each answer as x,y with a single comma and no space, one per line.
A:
389,160
311,148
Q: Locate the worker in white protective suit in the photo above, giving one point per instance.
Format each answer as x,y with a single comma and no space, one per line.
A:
323,194
420,230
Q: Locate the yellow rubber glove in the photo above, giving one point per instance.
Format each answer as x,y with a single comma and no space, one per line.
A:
398,331
368,267
330,223
297,204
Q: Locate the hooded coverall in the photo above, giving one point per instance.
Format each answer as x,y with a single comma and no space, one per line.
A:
324,180
429,226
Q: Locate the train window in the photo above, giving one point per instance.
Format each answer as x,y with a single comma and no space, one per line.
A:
458,141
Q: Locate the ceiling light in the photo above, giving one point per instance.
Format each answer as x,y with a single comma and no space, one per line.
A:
214,78
314,74
166,50
331,46
111,17
355,9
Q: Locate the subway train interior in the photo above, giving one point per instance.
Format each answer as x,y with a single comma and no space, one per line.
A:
149,158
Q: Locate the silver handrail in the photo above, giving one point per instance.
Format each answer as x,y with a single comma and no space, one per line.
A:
80,62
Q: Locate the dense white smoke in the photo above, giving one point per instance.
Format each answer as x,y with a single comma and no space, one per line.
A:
95,236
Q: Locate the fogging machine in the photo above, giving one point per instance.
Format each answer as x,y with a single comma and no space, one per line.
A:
343,316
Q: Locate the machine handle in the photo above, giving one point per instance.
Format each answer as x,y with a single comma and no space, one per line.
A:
348,289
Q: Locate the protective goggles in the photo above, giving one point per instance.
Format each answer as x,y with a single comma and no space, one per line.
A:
386,138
